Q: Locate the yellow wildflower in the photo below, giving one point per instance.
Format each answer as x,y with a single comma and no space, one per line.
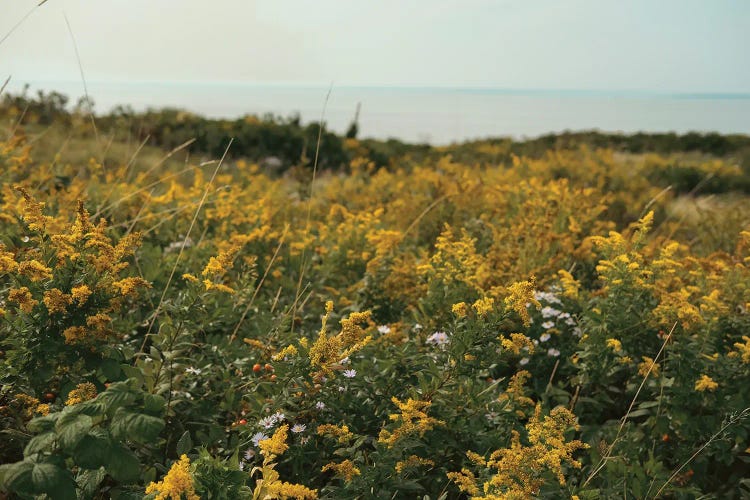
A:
484,306
56,301
22,297
521,294
345,469
289,350
80,293
569,284
339,432
411,462
190,277
466,481
276,444
705,383
219,265
279,489
413,419
7,261
34,270
82,392
614,344
130,287
516,343
646,365
743,350
210,285
460,309
74,334
177,482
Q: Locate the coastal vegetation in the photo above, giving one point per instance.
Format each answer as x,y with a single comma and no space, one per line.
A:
560,317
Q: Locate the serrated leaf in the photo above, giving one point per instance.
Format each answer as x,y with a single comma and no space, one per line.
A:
137,427
184,444
42,442
94,450
16,477
54,481
71,428
89,481
116,396
123,465
154,404
41,424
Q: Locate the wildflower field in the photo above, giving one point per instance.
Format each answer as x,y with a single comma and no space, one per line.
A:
462,323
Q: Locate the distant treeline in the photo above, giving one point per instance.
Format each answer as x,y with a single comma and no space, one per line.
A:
285,142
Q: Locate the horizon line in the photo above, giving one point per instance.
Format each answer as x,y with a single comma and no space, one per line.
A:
623,92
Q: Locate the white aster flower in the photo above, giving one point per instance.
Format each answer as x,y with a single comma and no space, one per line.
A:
544,337
438,338
553,352
548,324
350,373
384,329
258,437
297,428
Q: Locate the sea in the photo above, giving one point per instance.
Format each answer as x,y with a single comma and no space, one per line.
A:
434,115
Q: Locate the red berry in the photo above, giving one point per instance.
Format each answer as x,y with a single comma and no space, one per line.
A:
257,368
268,367
49,396
243,421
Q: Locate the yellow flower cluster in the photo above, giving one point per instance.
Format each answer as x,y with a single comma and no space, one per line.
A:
520,295
82,392
413,461
518,471
341,433
328,350
177,482
276,444
412,419
345,469
516,343
705,383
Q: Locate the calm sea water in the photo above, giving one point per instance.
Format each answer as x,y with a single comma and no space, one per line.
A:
434,115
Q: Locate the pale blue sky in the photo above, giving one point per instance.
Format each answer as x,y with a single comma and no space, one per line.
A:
657,45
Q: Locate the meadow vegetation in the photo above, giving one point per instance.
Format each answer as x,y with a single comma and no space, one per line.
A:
472,321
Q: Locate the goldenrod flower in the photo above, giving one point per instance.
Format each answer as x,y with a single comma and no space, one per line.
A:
276,444
646,365
705,383
177,482
521,294
614,344
411,462
80,293
56,301
82,392
34,270
345,469
460,309
22,297
484,306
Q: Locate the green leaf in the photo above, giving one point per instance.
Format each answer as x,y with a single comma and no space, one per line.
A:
89,481
42,442
71,428
123,465
16,477
117,395
138,427
184,444
41,424
133,373
94,450
110,368
154,404
54,481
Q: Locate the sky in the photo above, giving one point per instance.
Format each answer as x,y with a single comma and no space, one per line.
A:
653,45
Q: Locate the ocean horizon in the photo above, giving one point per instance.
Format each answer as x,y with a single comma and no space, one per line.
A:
435,115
